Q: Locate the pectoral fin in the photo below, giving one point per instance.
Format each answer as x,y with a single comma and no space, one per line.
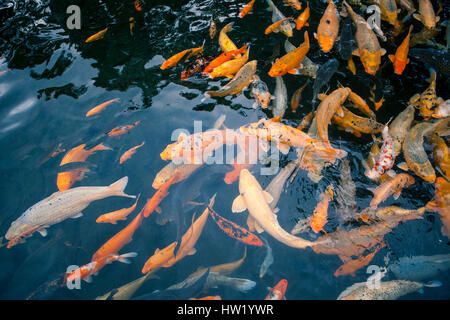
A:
239,204
43,232
383,51
192,252
340,111
356,52
391,57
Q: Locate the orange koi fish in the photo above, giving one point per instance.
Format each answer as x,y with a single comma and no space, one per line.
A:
400,59
99,35
122,129
224,57
129,153
247,9
328,28
296,97
165,257
181,57
351,65
320,215
21,237
119,240
85,272
302,20
100,107
276,25
113,217
291,61
154,202
277,292
286,136
235,231
293,3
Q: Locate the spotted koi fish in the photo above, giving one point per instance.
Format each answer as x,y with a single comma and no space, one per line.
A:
235,231
385,159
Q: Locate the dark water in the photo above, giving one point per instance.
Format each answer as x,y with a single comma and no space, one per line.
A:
54,78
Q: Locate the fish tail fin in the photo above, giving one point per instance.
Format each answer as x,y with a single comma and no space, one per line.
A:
123,257
432,75
206,97
433,284
117,188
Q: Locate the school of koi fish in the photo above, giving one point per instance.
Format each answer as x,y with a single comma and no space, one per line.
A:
408,150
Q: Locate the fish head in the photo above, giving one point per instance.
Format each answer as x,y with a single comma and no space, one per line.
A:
17,228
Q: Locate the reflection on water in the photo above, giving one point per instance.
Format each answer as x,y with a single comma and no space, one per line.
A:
53,78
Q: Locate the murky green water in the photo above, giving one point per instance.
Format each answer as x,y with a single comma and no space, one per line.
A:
53,78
